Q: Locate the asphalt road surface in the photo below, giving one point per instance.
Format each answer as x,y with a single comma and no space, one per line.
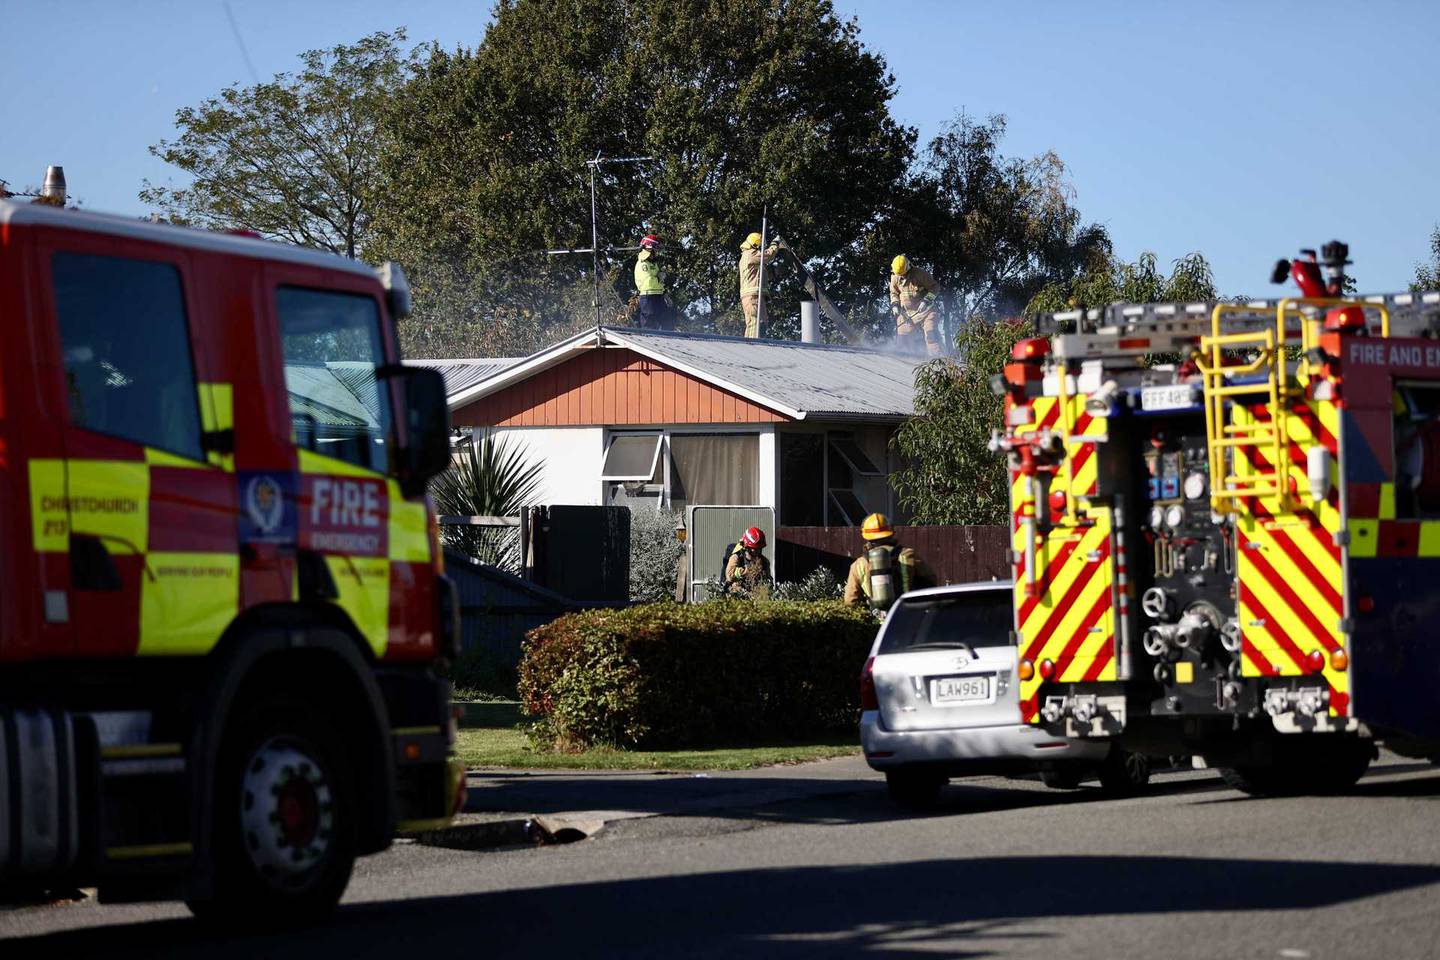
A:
1002,869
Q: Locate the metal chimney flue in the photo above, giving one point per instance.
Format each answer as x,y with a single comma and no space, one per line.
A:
809,321
54,188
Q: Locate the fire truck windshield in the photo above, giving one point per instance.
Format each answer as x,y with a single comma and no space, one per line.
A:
332,346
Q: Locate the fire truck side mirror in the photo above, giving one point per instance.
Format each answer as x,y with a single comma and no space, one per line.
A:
425,452
397,288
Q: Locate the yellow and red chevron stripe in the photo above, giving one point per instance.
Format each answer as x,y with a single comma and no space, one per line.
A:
1071,619
1289,571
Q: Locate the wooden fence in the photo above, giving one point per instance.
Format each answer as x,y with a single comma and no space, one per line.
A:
956,554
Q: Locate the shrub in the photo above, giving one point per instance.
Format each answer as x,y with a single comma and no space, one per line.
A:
654,555
820,584
669,675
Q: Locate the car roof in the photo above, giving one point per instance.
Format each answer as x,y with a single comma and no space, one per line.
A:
955,589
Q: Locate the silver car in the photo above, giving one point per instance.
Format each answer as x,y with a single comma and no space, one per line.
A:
941,699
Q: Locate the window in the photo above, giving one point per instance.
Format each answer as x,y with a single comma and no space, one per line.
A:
654,471
802,479
843,445
1417,450
714,469
331,342
632,457
977,618
128,369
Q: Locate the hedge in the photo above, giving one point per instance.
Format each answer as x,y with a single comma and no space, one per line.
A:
669,675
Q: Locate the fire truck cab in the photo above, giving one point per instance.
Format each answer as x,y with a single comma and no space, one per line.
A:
223,596
1227,527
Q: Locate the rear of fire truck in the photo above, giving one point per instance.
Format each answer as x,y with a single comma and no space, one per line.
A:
1187,488
222,598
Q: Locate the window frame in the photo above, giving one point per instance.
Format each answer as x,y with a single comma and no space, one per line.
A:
87,246
279,280
664,489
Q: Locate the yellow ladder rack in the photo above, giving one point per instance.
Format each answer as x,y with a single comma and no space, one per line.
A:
1228,439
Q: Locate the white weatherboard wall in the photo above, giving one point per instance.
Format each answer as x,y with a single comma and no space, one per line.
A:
570,459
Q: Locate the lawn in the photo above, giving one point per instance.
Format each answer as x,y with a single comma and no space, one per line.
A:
489,738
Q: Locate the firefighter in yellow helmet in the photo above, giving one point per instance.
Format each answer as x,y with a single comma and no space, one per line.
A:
885,570
750,263
654,310
912,304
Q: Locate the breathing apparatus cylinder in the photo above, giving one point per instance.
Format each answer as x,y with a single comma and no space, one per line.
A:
882,576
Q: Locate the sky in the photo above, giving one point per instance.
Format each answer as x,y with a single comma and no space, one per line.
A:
1243,130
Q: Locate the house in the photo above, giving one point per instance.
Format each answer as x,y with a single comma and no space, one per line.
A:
661,420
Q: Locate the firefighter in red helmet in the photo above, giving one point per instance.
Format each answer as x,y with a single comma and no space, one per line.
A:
747,569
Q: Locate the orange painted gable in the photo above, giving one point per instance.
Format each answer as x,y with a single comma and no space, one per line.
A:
610,386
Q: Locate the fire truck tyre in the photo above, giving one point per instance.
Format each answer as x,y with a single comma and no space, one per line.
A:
914,790
1124,773
1062,778
1305,765
285,817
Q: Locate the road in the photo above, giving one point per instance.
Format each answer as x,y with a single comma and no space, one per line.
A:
1001,869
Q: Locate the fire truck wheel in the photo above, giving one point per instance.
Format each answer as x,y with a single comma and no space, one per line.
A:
1124,773
284,841
914,790
1305,765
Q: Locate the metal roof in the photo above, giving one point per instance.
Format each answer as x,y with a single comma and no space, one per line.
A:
463,374
800,380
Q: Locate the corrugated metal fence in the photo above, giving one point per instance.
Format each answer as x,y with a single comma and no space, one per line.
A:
956,554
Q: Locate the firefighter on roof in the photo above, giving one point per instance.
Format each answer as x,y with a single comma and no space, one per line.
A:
747,571
912,304
750,266
654,312
885,570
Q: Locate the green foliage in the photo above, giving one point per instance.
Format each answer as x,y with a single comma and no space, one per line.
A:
820,584
668,675
293,159
478,675
1427,275
950,475
1107,280
489,479
994,229
742,103
654,555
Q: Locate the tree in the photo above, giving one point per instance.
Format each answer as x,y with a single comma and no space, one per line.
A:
741,103
951,476
1106,280
1427,275
491,479
293,159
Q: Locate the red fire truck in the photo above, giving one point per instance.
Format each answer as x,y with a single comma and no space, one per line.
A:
1227,527
223,598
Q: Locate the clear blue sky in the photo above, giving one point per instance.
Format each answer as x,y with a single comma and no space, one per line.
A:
1242,130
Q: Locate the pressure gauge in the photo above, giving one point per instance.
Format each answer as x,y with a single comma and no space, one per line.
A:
1157,517
1174,516
1194,486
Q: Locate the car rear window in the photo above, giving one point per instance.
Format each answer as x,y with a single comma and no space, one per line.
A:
979,618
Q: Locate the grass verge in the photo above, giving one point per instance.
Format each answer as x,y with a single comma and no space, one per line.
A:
491,739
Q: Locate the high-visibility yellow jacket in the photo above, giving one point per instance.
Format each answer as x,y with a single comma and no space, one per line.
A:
647,274
912,290
750,268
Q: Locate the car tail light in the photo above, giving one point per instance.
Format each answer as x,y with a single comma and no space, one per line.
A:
1026,670
868,699
1047,669
1339,660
